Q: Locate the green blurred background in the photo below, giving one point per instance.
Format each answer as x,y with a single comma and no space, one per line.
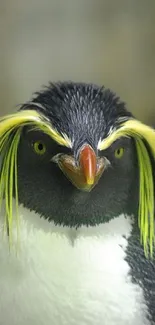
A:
110,42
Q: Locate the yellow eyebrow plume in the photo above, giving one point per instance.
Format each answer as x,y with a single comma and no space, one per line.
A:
11,127
32,117
144,137
132,128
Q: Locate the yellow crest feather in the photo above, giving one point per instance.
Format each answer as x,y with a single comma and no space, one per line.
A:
142,134
35,119
10,132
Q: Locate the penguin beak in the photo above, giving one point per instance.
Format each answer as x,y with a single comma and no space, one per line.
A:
85,173
88,164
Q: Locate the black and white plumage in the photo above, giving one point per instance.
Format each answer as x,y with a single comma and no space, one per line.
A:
81,260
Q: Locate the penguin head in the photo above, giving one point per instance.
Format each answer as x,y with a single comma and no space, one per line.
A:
76,183
76,156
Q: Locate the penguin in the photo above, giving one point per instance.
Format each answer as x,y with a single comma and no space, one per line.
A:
77,211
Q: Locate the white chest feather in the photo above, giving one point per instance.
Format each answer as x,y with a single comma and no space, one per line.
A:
69,277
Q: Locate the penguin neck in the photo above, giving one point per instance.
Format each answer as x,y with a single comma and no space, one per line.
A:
121,225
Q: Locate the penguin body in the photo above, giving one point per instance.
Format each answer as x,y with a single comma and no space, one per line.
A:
77,217
68,276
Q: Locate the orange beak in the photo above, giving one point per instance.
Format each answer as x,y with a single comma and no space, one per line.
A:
88,164
86,174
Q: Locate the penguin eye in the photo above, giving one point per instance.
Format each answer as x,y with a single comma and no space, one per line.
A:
39,147
119,152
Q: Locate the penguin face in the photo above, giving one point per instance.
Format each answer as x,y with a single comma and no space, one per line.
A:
77,184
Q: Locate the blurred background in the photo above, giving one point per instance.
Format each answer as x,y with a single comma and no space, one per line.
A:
110,42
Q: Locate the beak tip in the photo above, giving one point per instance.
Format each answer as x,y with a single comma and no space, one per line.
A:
90,181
